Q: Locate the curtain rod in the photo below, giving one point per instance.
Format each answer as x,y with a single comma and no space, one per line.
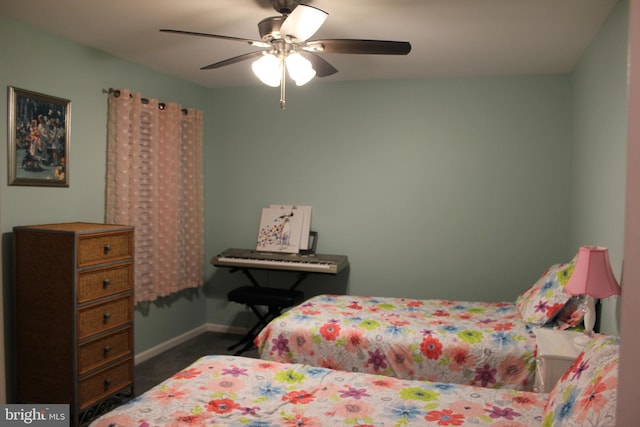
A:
161,105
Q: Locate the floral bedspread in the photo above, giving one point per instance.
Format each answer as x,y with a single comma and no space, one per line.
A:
238,391
473,343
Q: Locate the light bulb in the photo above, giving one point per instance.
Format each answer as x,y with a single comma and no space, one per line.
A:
268,69
299,68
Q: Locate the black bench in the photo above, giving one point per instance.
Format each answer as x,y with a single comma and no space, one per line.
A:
274,299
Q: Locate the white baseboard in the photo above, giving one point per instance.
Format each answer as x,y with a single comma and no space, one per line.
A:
209,327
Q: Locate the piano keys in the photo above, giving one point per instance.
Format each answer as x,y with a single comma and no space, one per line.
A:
312,263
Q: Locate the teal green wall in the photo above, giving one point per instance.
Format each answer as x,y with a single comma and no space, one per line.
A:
451,188
43,63
599,147
445,188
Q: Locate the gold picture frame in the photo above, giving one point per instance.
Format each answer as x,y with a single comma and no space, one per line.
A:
39,130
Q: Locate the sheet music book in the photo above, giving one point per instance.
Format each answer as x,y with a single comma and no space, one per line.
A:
306,224
280,230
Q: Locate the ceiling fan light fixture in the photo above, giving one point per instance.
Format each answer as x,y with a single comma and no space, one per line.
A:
302,23
299,68
289,50
268,69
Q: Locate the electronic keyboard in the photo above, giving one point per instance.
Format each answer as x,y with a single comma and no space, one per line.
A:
312,263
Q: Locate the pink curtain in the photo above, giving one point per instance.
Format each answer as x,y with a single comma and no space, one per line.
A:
154,182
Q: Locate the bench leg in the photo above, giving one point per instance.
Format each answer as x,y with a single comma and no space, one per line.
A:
263,320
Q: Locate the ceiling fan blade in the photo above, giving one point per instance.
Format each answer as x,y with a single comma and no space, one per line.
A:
369,47
322,67
233,60
302,23
256,43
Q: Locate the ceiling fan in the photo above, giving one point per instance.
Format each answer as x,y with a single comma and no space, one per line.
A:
286,46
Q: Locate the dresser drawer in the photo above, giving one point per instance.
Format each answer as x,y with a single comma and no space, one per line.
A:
103,383
104,247
101,317
103,282
93,354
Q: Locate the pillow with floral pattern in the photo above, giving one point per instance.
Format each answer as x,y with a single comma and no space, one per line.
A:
586,394
571,315
539,304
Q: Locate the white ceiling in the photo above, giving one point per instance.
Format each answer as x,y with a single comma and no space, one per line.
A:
449,38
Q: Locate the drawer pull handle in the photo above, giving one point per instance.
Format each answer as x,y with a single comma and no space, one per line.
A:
106,316
106,282
107,349
107,383
107,248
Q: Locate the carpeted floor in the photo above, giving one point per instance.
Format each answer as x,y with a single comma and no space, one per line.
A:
162,366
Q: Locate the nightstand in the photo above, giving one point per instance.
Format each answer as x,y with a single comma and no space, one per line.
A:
556,353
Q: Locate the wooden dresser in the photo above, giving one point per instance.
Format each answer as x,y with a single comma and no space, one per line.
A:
74,316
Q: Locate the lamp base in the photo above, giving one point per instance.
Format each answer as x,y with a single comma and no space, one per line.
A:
589,308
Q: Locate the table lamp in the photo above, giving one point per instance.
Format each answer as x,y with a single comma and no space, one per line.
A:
592,277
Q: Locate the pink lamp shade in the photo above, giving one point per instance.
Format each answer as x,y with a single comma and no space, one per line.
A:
592,274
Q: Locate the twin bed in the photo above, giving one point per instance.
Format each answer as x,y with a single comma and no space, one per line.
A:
238,391
347,360
471,343
474,343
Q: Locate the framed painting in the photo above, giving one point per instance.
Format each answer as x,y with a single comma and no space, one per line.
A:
39,129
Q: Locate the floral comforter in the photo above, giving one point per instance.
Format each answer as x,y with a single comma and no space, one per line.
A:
238,391
473,343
